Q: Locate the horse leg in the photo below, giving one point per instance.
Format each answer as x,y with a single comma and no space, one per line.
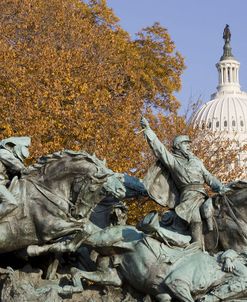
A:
36,250
52,268
58,247
100,238
108,276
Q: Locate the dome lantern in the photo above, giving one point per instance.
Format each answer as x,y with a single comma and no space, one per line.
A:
228,66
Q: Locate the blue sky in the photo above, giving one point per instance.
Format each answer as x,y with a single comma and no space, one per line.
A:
196,27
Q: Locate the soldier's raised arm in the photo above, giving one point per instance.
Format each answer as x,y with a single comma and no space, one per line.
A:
159,150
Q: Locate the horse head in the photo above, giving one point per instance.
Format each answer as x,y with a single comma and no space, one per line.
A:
101,184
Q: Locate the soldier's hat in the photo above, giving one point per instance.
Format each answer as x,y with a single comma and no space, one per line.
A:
17,145
15,141
180,139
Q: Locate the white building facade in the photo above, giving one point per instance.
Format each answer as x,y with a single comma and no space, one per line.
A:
226,112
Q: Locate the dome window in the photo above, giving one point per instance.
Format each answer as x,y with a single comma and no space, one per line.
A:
233,123
225,123
209,125
217,124
241,123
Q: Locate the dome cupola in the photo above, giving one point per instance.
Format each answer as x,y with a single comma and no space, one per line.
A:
228,66
227,109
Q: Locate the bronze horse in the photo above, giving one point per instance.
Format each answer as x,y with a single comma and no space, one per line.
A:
230,221
165,272
55,199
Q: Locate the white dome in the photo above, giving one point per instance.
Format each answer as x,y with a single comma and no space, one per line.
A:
225,113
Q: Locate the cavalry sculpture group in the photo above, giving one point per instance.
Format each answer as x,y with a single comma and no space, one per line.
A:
194,251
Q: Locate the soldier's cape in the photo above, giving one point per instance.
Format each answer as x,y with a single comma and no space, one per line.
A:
160,186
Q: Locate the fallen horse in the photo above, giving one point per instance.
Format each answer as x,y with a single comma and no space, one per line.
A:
165,266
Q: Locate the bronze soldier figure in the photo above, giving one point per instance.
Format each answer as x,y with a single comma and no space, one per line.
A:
189,176
13,151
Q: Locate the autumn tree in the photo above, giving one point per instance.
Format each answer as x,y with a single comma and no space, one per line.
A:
71,77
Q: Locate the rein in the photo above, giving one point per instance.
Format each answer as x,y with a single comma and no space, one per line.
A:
88,206
217,232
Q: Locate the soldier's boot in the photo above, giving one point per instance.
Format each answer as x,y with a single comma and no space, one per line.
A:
7,201
207,211
196,234
210,223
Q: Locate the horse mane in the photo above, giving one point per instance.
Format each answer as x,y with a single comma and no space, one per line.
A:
75,155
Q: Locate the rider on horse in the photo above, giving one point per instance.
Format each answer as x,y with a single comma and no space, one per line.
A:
13,151
189,175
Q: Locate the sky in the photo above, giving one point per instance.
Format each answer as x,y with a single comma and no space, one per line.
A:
196,27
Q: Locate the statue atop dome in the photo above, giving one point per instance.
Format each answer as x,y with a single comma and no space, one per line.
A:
227,47
227,34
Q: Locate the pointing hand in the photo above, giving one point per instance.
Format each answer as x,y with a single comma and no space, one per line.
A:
144,123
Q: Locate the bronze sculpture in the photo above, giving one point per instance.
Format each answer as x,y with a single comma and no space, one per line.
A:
55,198
166,271
189,176
13,151
227,34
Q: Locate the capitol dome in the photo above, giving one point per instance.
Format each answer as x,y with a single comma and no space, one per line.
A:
224,113
227,110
